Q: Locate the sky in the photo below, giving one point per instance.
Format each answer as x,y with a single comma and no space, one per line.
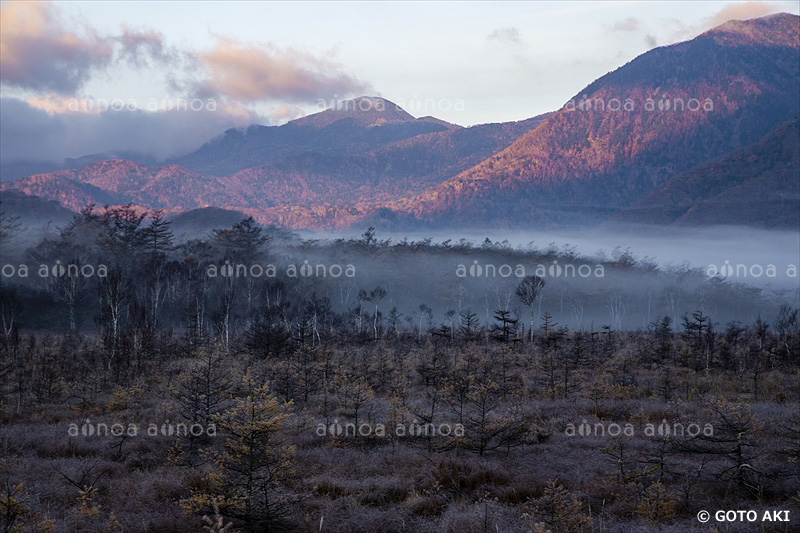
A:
80,78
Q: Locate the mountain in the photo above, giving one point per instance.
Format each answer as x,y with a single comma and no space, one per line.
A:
687,104
118,181
758,185
306,190
20,169
406,166
196,223
352,127
635,131
29,214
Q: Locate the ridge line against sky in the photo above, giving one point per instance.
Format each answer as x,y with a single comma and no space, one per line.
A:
269,62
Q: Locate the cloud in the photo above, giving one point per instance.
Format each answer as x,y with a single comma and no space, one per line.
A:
51,58
41,52
51,129
628,24
506,36
140,47
651,40
286,112
45,53
738,11
742,11
264,72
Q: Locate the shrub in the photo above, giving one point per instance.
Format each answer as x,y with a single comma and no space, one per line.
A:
656,504
559,509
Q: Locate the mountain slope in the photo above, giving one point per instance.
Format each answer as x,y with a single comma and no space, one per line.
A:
306,184
619,140
758,185
692,102
407,166
29,210
355,126
117,181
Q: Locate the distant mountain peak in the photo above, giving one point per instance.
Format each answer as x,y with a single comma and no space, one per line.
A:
365,110
113,164
367,159
434,120
780,29
583,163
346,127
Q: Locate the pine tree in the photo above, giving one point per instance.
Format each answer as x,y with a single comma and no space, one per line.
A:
506,327
244,241
246,481
158,237
561,510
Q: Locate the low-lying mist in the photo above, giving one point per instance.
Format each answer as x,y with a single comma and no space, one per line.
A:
752,250
592,279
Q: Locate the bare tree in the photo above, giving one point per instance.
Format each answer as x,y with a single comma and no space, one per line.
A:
374,297
528,291
114,291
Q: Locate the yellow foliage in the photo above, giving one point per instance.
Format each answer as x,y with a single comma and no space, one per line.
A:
656,504
124,397
86,508
252,462
561,511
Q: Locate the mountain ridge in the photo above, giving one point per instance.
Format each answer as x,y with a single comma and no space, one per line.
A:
757,185
369,161
595,161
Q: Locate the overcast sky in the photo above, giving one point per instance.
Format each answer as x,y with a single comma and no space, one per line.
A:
268,62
